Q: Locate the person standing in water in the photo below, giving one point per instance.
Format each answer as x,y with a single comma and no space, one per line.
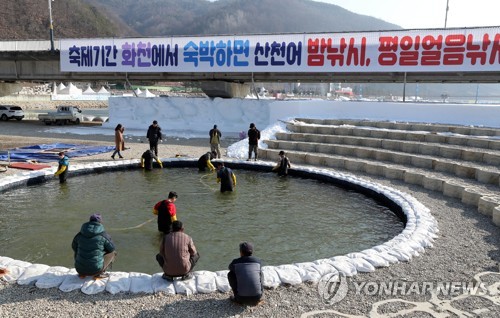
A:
167,213
204,161
283,165
147,160
62,169
225,177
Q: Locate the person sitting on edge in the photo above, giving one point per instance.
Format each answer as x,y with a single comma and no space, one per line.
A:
178,255
167,213
283,165
62,169
245,277
204,161
147,160
225,177
94,250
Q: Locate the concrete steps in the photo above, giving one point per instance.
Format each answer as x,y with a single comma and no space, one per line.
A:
463,166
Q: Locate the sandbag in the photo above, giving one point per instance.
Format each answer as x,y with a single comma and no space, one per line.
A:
222,281
118,282
186,287
53,277
288,274
72,281
140,283
271,278
94,286
13,273
205,282
32,274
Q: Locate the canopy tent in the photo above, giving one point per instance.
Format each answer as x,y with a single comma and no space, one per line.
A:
103,91
70,90
60,87
89,91
147,93
49,152
137,91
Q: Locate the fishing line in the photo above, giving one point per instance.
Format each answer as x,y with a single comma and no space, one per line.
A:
206,184
133,227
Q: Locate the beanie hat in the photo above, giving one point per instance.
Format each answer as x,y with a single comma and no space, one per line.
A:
246,248
96,217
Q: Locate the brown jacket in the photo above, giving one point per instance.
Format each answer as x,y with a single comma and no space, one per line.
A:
176,249
119,141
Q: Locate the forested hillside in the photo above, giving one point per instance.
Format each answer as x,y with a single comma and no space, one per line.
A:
29,19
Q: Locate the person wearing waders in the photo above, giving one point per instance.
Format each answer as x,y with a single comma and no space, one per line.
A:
283,165
167,213
204,161
62,169
225,177
215,136
147,160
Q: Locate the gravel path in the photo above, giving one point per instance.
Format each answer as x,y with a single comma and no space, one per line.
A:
468,244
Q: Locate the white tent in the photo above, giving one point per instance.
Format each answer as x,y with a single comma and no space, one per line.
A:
137,91
89,91
60,87
71,90
103,91
147,93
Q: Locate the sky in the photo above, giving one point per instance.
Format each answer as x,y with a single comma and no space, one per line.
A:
426,13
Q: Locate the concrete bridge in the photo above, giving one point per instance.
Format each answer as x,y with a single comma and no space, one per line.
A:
22,61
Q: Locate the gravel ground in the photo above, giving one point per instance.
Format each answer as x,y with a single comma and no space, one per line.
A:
468,244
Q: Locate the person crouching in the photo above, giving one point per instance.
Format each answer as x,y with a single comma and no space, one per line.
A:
245,277
94,250
178,254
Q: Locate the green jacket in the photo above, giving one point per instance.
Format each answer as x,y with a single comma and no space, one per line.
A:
89,246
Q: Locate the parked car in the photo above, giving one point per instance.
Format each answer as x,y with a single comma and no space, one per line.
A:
11,112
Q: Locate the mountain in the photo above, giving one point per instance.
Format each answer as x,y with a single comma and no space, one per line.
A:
201,17
29,19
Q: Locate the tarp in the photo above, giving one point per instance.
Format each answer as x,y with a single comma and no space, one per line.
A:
48,152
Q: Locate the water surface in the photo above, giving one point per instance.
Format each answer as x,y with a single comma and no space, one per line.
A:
288,219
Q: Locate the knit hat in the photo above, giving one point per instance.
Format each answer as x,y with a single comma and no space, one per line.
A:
96,217
246,248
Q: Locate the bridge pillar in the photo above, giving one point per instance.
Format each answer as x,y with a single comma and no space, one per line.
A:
225,89
9,88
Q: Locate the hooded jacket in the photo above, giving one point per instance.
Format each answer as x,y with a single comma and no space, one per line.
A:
90,245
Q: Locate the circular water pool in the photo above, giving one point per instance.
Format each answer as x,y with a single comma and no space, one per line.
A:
289,219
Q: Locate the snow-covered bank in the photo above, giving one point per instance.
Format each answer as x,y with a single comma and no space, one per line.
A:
194,117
